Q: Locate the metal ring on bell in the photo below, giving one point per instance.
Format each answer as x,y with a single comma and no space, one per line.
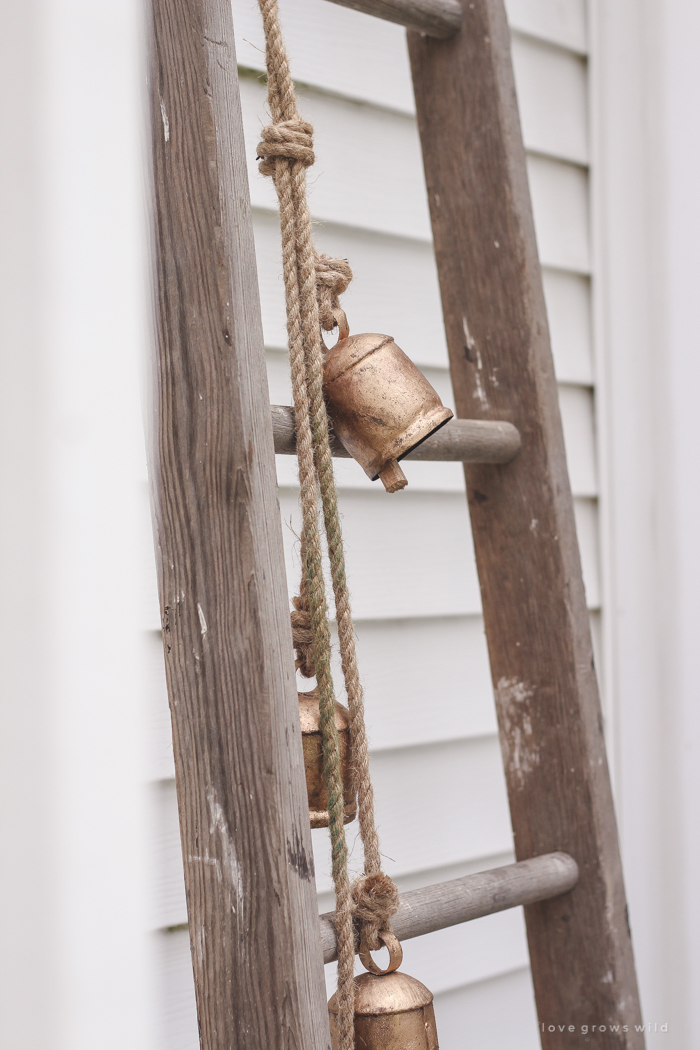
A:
395,952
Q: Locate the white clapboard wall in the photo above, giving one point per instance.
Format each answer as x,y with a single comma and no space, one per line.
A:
436,765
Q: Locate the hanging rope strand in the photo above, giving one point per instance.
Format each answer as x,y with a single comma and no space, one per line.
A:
286,151
312,286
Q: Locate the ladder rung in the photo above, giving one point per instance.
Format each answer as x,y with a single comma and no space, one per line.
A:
459,900
439,18
460,440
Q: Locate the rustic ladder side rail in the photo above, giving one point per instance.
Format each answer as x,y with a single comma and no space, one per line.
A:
522,517
537,627
244,821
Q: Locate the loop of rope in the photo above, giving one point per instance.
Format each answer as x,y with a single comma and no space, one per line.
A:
292,139
312,286
375,899
332,278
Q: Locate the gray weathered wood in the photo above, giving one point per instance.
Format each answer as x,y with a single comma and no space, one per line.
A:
523,525
228,649
460,440
459,900
436,18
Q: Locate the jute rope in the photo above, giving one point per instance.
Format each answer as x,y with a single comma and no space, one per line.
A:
313,283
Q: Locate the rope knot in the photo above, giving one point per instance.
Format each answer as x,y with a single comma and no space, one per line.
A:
375,899
332,278
302,637
289,138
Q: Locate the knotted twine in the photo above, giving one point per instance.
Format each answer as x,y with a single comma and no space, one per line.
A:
313,283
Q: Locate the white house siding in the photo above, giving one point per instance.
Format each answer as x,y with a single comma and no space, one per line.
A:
646,141
74,325
436,764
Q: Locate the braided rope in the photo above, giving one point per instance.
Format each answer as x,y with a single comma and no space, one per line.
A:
313,283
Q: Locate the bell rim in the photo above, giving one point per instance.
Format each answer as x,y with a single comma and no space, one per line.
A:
418,432
440,425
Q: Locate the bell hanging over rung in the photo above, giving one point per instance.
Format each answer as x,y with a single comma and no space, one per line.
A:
380,404
310,718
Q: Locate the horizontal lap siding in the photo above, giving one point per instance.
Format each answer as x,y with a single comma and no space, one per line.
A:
422,825
436,765
491,1006
499,1012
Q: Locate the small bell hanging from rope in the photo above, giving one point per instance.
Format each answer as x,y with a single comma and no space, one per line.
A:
310,718
392,1010
380,404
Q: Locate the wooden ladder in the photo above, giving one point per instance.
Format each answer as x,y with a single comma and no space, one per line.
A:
246,842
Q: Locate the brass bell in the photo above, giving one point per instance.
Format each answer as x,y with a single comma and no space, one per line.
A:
380,404
310,718
392,1012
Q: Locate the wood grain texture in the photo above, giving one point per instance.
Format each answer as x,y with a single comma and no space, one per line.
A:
436,18
523,524
444,904
461,440
238,757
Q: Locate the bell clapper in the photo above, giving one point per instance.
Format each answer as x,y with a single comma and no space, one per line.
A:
392,477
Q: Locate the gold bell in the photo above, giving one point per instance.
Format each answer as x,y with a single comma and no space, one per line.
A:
392,1012
310,718
380,404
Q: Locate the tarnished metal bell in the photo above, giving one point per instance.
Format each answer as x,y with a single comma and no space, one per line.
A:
380,404
392,1012
310,718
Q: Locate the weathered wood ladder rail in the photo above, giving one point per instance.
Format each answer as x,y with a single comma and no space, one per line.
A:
256,950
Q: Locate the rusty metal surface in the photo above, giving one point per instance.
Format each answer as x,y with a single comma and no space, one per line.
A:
310,719
392,1012
380,404
391,943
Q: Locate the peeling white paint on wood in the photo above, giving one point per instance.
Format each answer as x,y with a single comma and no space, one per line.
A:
523,753
228,868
